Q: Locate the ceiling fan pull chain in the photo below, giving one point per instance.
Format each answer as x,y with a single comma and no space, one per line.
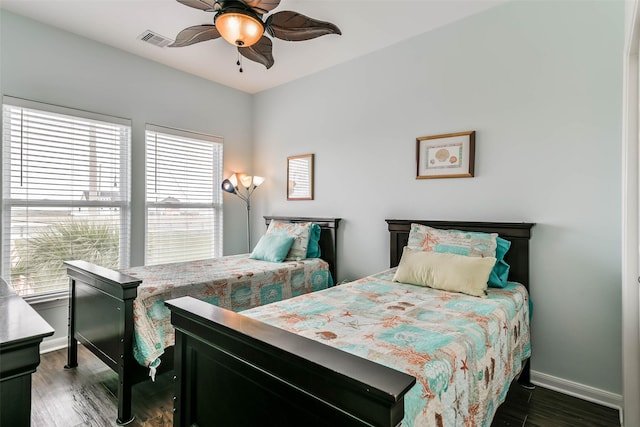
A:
239,62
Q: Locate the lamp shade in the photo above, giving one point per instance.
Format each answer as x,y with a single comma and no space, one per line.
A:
245,180
228,186
257,180
233,179
239,27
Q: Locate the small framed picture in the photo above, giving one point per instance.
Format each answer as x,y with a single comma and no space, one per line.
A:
445,156
300,177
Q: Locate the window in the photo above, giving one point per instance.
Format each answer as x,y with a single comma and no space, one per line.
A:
65,193
184,196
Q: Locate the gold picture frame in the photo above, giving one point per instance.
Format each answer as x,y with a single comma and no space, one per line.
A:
300,177
449,155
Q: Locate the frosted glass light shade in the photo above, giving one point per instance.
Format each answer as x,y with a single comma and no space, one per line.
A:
228,186
239,29
234,180
257,180
245,180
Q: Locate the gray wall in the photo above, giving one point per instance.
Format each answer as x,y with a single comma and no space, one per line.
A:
44,64
540,82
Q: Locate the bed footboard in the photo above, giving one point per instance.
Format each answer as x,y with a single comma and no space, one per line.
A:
232,370
101,318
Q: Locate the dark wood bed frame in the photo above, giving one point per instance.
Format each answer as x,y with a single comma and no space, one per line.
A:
101,315
232,370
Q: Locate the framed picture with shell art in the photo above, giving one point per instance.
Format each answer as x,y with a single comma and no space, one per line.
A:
449,155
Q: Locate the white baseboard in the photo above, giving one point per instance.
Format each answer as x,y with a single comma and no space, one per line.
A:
53,344
581,391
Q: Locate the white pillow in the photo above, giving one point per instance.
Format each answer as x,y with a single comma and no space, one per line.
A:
445,271
299,231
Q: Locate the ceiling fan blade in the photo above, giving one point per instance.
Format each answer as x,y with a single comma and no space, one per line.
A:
195,34
199,4
294,26
262,6
260,52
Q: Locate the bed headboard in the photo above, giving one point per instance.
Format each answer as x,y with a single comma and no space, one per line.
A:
328,241
518,233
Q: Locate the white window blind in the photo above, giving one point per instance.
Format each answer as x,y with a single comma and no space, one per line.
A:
184,195
65,194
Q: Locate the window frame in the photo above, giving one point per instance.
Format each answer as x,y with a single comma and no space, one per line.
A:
123,202
216,203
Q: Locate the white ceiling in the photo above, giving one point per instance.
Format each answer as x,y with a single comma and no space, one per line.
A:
367,25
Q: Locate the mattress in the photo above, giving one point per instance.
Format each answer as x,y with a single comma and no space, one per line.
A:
233,282
464,351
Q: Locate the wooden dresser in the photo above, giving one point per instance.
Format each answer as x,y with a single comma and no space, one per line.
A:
21,332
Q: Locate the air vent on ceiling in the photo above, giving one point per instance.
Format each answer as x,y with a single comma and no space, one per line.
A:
154,38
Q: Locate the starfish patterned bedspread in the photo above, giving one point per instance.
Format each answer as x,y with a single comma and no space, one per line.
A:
464,351
233,282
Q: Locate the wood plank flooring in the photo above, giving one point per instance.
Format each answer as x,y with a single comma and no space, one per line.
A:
542,407
85,396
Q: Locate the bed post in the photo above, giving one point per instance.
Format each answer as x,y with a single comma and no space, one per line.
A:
72,342
127,363
525,376
101,318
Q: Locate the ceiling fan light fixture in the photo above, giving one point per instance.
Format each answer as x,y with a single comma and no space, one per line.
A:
240,23
239,27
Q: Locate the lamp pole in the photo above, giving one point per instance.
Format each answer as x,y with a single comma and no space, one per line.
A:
248,200
250,183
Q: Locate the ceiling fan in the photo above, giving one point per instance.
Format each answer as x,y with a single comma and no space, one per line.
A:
240,23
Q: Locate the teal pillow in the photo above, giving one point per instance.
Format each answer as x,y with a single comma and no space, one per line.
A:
502,246
500,272
272,248
313,250
499,275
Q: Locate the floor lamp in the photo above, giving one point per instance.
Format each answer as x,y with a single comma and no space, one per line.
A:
250,183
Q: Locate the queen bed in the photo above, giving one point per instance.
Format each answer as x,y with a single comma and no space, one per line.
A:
120,316
371,352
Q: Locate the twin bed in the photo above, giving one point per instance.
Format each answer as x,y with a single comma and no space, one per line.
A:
373,352
120,316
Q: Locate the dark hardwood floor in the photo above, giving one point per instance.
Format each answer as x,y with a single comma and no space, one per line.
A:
542,407
85,396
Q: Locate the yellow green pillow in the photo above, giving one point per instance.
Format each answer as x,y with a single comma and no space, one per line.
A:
445,271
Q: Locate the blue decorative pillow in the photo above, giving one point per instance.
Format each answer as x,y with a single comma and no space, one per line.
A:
467,243
500,272
272,248
313,250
